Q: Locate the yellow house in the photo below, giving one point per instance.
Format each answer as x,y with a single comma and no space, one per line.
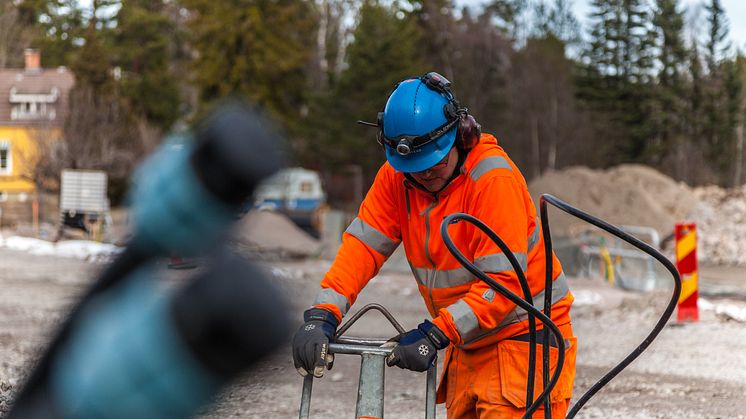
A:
33,104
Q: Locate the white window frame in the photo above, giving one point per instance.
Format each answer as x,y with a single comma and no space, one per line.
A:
7,145
33,106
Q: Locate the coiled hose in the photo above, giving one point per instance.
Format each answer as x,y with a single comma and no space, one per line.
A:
526,303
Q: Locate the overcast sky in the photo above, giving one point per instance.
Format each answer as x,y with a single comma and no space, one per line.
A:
734,9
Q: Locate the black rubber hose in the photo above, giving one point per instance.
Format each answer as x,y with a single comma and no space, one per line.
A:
549,271
531,319
530,309
640,245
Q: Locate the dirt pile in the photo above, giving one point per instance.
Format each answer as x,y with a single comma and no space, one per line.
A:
720,215
269,232
639,195
623,195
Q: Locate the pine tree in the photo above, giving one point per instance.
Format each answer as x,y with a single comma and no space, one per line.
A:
717,40
140,44
509,15
437,27
256,48
98,128
737,109
91,63
695,121
618,75
60,29
384,51
557,20
669,115
719,127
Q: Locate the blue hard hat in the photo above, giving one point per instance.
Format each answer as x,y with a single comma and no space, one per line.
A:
415,110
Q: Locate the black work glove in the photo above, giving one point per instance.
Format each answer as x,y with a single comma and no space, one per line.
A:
417,349
311,342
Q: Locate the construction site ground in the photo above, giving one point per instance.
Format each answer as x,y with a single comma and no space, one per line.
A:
694,370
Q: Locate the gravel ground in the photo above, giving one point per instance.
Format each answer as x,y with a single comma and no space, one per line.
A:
691,371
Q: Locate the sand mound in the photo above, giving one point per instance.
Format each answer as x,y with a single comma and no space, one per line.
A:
272,232
720,215
623,195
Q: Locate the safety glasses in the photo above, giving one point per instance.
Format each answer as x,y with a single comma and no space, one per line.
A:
437,166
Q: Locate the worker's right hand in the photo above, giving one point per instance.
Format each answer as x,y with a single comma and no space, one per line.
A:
417,349
311,342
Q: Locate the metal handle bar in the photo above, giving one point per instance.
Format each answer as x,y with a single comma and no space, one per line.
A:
372,306
343,348
372,368
350,340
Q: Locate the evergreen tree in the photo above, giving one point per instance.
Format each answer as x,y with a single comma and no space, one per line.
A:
557,20
509,15
385,50
60,29
669,116
737,111
617,75
91,63
717,37
98,128
719,122
140,44
695,120
256,48
437,27
733,120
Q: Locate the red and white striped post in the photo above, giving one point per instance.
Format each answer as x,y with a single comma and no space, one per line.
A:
686,263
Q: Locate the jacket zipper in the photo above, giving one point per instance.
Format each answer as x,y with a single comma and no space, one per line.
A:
406,197
431,280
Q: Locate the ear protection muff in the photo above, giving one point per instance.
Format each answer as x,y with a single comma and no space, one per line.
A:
469,132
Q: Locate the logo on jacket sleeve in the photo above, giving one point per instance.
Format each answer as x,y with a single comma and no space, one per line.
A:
489,295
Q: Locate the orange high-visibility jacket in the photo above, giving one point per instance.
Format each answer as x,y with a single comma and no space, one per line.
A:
489,187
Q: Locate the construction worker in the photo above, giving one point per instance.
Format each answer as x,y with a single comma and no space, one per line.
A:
439,163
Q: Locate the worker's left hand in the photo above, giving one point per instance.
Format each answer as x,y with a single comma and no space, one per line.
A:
311,342
417,349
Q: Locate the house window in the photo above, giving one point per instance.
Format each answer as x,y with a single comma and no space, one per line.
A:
32,111
33,106
5,161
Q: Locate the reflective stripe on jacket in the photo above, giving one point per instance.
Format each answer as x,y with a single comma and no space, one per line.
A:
491,188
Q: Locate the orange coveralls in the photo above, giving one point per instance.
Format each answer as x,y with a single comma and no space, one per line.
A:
485,373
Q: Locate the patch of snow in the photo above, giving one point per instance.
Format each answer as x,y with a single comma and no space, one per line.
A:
79,249
728,311
586,298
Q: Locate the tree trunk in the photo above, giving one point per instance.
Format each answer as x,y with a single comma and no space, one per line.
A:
739,156
535,151
552,152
